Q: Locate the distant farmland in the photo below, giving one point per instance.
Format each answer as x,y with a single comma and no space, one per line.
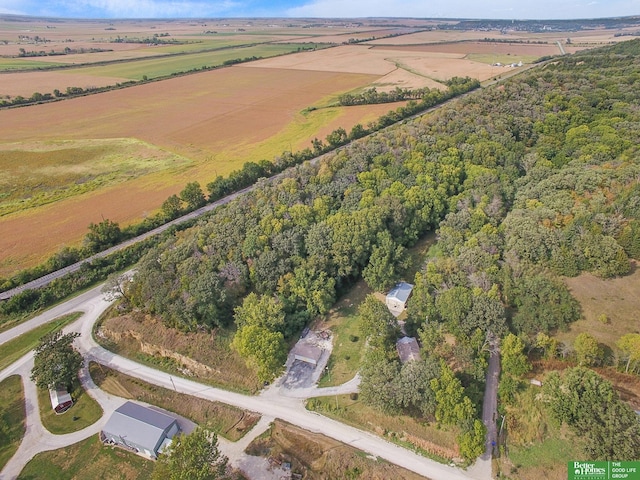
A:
213,122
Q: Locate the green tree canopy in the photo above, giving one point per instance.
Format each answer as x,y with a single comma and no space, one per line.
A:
193,196
195,456
264,350
588,352
56,362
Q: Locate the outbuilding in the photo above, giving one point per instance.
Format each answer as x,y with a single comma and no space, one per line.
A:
61,400
408,349
397,298
307,352
141,429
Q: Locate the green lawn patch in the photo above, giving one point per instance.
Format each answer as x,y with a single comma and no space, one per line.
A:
424,438
84,412
7,64
12,417
16,348
161,67
88,459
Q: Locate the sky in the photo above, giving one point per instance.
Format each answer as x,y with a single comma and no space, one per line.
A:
496,9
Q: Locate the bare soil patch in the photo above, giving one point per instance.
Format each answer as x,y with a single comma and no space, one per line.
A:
26,84
318,457
464,48
205,356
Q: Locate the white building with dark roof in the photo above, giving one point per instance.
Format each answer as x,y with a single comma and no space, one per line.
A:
140,429
61,400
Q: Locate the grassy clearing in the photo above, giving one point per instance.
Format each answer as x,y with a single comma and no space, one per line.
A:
229,422
84,412
16,348
8,64
42,173
344,322
12,416
88,459
504,58
536,447
617,298
205,356
160,67
318,457
424,438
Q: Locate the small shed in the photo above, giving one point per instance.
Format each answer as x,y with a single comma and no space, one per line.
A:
306,352
61,400
408,349
140,429
397,298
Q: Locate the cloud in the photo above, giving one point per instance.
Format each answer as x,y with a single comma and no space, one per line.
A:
545,9
129,8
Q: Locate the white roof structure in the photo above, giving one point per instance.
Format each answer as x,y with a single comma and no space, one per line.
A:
60,399
400,292
140,427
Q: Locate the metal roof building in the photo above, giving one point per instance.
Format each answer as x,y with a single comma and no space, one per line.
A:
397,298
61,400
140,429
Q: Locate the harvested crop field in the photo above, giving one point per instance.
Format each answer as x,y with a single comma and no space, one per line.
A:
430,66
26,84
465,48
217,119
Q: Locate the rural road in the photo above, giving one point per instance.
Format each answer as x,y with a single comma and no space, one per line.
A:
289,409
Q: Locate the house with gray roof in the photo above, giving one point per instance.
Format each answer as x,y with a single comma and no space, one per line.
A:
408,349
141,429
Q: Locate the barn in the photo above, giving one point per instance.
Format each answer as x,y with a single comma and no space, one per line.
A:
140,429
61,400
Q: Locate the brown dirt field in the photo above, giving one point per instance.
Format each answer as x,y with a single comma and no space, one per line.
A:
26,83
480,47
617,298
233,108
382,61
437,36
404,79
213,109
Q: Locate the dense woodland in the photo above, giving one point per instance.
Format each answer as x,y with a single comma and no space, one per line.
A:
525,181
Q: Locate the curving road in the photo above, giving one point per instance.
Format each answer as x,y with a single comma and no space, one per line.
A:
290,409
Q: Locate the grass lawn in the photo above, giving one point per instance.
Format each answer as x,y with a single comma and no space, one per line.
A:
16,348
348,346
84,412
88,460
160,67
12,416
424,438
7,64
227,421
